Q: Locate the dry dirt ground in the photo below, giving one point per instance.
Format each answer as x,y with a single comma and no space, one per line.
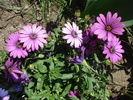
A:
11,21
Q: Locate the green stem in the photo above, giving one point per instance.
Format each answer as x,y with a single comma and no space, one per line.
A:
87,66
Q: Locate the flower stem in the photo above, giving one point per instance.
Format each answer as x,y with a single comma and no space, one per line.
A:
84,63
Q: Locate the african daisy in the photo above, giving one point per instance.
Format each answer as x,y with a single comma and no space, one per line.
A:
24,79
11,70
113,49
90,40
15,47
108,26
73,34
33,37
78,59
4,94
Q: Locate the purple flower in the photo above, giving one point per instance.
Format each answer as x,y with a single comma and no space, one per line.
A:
11,70
73,18
33,37
15,46
47,53
74,93
86,37
91,46
17,87
24,78
113,49
78,59
88,50
90,40
4,94
109,26
73,34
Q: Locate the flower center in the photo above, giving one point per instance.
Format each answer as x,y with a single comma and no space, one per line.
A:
33,36
9,70
18,44
112,50
74,34
108,28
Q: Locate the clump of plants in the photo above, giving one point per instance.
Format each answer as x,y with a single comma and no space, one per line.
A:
68,62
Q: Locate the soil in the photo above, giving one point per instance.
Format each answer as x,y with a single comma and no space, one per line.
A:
12,21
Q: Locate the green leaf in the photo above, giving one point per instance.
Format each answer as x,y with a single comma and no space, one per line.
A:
31,84
59,63
42,68
89,82
35,97
85,70
37,75
51,67
27,2
96,58
47,60
90,85
76,67
107,93
3,56
27,92
89,3
39,84
128,23
42,92
67,76
57,31
66,90
74,98
52,97
57,88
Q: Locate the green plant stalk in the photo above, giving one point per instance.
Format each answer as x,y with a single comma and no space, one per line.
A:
84,63
22,10
127,43
128,32
126,92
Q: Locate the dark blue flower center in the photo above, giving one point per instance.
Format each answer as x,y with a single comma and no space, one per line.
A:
19,44
108,28
33,36
112,50
74,34
9,70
